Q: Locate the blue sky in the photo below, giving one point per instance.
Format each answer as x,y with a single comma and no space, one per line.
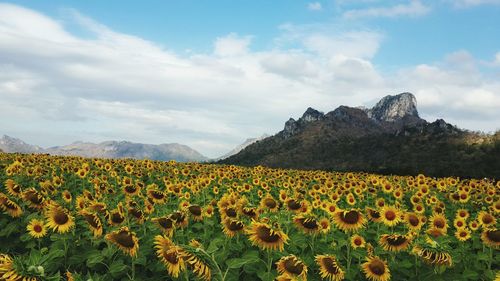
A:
212,73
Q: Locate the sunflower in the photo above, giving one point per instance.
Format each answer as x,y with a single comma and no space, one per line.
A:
115,217
351,220
474,225
357,241
166,224
59,219
269,203
66,196
293,205
13,189
463,234
125,240
491,237
307,224
208,211
131,190
198,265
293,267
459,223
267,237
413,221
438,221
373,215
390,215
329,268
33,198
157,196
462,213
486,219
93,221
376,269
432,256
231,227
325,225
195,212
180,219
250,212
170,255
394,242
11,208
36,228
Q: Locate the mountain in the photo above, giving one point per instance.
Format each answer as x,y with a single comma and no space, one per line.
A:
10,144
389,138
242,146
110,149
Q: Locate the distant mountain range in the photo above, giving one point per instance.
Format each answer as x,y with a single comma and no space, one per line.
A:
388,138
242,146
109,149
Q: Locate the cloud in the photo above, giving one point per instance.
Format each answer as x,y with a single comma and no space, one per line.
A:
472,3
414,8
232,45
111,85
314,6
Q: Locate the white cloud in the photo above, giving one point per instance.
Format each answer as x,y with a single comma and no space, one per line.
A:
472,3
314,6
414,8
112,85
232,45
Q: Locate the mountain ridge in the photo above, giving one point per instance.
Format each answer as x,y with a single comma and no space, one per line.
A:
109,149
390,137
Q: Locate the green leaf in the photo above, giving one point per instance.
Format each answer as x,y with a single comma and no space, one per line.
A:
266,276
94,258
117,268
469,274
236,263
215,245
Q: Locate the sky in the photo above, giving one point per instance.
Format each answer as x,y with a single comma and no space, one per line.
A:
210,74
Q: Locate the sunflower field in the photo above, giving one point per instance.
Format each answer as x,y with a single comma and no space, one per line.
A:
73,218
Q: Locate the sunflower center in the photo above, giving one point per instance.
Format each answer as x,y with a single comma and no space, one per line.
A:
235,225
195,210
117,218
37,228
171,256
309,223
124,239
493,235
270,203
130,189
293,266
377,267
487,219
61,218
231,212
413,220
439,223
265,234
390,215
357,242
351,217
249,212
330,265
165,223
92,220
374,214
463,234
293,205
157,195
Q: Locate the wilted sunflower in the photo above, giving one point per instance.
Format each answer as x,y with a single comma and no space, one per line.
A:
157,196
166,225
394,242
59,219
125,240
463,234
198,265
351,220
250,212
357,241
11,208
93,221
231,227
390,215
195,212
33,198
13,189
267,237
293,205
36,228
293,267
170,255
373,215
307,224
432,256
491,237
376,269
180,219
329,268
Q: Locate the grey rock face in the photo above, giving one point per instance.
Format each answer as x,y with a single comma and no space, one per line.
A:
291,128
242,146
10,144
393,108
311,115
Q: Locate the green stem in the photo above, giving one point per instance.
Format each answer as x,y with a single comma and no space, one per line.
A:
269,262
133,268
348,258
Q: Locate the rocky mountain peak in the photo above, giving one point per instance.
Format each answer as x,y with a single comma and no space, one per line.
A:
393,108
311,115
